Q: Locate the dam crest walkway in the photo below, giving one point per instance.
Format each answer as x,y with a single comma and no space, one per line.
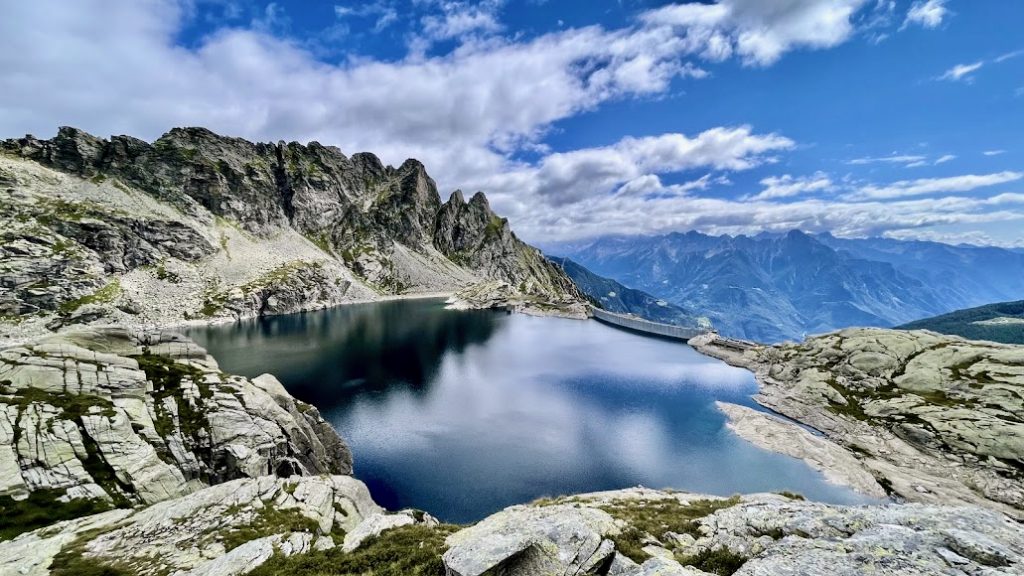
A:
646,326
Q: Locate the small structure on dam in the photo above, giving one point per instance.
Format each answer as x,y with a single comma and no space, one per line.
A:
646,326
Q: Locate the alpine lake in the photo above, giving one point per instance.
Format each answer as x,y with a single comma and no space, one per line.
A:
462,413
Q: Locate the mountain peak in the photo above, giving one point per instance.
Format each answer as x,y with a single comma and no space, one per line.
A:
457,198
383,225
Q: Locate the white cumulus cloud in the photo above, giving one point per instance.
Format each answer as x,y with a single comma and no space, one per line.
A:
759,32
787,186
927,13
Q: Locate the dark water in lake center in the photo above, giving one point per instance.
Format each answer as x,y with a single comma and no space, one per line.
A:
461,413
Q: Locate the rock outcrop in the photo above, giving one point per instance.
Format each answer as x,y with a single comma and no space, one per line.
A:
933,418
223,530
93,419
499,294
198,226
646,532
837,464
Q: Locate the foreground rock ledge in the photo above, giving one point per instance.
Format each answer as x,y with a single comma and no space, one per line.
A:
641,532
222,530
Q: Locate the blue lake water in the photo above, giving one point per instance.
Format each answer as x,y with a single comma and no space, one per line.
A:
461,413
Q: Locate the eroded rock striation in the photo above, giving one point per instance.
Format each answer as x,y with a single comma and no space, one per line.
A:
98,418
933,418
197,226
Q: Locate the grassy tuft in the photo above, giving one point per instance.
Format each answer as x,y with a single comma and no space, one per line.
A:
71,560
104,295
656,518
405,551
721,561
268,521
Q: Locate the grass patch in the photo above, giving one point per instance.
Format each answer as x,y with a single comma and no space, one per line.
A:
721,561
405,551
269,520
71,560
72,406
162,273
42,508
792,495
494,226
656,518
104,295
322,241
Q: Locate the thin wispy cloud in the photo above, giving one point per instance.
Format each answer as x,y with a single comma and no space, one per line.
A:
964,72
1009,56
994,152
945,158
909,160
923,186
383,12
961,72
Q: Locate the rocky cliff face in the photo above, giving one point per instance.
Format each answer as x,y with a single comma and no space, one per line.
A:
933,418
198,226
95,419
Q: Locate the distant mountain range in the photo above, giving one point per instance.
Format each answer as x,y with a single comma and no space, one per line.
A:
774,287
1002,322
614,297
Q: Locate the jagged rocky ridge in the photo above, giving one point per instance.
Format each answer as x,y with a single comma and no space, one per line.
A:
198,226
932,418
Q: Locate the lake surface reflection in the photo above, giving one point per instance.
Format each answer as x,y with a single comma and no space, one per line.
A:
461,413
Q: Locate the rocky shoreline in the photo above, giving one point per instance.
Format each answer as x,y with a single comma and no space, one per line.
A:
838,465
932,418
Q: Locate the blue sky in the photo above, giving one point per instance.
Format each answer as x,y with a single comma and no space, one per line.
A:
579,118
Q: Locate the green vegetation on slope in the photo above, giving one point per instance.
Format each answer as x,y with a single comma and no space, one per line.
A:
974,323
42,508
104,295
646,519
406,551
